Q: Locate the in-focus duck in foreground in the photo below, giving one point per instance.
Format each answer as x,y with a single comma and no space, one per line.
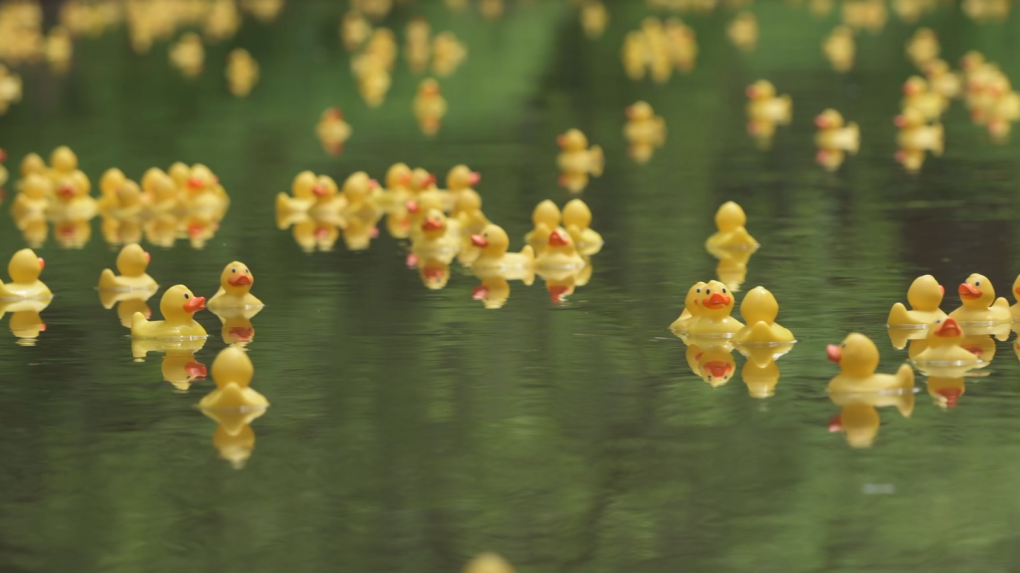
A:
178,306
857,357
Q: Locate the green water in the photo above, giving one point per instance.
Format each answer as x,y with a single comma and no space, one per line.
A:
412,429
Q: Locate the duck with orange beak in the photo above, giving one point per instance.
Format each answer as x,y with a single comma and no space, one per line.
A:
178,306
692,308
25,268
494,260
716,303
980,307
235,288
560,254
436,241
857,357
945,338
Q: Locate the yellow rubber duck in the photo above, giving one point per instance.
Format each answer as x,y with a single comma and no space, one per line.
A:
333,131
576,156
560,254
730,220
916,135
429,106
328,202
397,192
188,55
177,305
301,198
63,163
459,179
979,303
760,308
73,200
743,31
235,288
33,196
870,15
577,220
24,269
834,133
354,30
692,308
545,218
161,193
417,44
109,183
436,239
916,95
495,261
358,194
132,263
242,72
923,47
232,371
764,105
839,48
447,53
945,337
942,80
925,296
468,211
857,357
643,126
716,304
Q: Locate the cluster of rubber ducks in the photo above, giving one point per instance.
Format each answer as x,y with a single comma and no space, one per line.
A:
182,202
656,48
443,225
946,348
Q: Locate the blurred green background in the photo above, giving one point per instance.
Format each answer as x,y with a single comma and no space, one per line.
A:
412,429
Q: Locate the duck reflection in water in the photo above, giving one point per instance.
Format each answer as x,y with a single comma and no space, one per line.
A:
25,322
179,367
233,405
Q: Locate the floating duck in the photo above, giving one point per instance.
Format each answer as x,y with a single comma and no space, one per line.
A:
743,31
333,131
73,200
235,288
63,164
916,95
577,220
109,184
358,194
161,193
634,54
759,308
644,131
436,239
764,105
354,30
25,322
731,235
857,357
942,80
681,45
923,47
546,217
188,55
327,202
448,53
301,198
33,196
459,179
24,269
576,157
692,308
429,106
417,44
242,72
839,48
560,254
916,135
594,18
177,305
495,261
232,371
833,135
925,297
977,295
716,304
131,262
945,337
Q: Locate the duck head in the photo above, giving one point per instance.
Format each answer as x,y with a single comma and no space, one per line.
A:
492,292
35,186
180,173
301,187
909,118
639,111
201,178
860,423
977,292
945,332
433,225
493,241
63,159
925,293
730,217
32,163
111,181
232,366
421,180
546,213
25,266
461,177
857,355
132,260
576,214
236,279
76,184
468,202
829,119
915,86
561,241
693,300
179,304
357,187
759,306
716,300
398,175
325,189
761,90
428,88
572,140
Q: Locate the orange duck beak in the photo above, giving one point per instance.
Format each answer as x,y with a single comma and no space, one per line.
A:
836,423
557,240
948,328
431,225
239,280
474,178
319,190
751,91
717,368
66,191
969,292
42,263
558,293
195,369
195,183
833,353
148,257
195,304
412,206
717,301
900,121
480,292
479,241
821,122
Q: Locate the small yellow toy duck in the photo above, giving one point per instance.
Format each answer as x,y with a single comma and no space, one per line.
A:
577,220
188,55
764,105
333,131
730,220
577,158
301,198
594,18
977,295
417,44
33,196
132,263
916,95
242,72
832,134
546,217
743,31
73,200
944,349
459,179
109,184
560,254
177,305
716,303
235,288
857,357
942,80
429,106
923,47
839,48
692,308
759,308
63,163
435,240
495,261
24,269
354,30
916,135
232,371
925,296
644,131
328,202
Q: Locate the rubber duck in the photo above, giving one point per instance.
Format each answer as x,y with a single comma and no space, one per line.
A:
33,196
759,308
301,198
333,131
131,262
925,297
731,235
436,239
682,45
576,156
634,54
448,53
833,133
916,95
177,305
944,345
494,259
188,55
594,18
577,220
242,72
161,193
658,53
397,193
857,357
692,308
916,135
73,200
716,304
235,288
429,106
764,105
644,131
459,179
743,31
910,10
545,218
24,270
417,44
923,47
870,15
839,48
328,202
237,327
109,183
560,254
204,194
232,371
979,303
63,163
354,30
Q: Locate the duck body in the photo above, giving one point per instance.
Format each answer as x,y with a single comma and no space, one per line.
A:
977,295
858,358
235,288
760,309
24,269
178,305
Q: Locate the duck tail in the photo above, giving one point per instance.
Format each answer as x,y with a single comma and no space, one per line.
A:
107,280
905,404
761,331
282,202
137,321
899,316
905,376
1001,302
937,146
854,135
598,160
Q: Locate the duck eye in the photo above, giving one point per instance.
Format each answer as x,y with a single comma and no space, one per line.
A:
246,271
842,345
939,321
724,291
186,296
699,291
977,283
233,270
708,291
